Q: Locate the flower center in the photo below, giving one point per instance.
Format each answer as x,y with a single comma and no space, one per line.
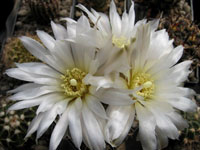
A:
120,42
144,81
72,83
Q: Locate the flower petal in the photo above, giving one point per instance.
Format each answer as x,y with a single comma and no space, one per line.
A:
114,96
127,128
34,124
50,116
39,69
95,135
49,101
183,104
95,106
115,19
59,131
162,139
147,126
118,121
46,39
40,52
39,79
162,121
26,104
75,123
59,31
98,81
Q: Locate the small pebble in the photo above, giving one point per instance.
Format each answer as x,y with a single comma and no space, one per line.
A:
182,12
18,24
23,12
63,13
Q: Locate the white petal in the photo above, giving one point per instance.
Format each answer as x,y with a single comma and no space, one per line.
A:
98,81
115,19
162,139
178,120
62,51
126,130
167,61
78,54
38,68
117,63
118,119
125,24
24,87
93,65
59,31
163,122
34,92
175,55
39,51
59,131
25,104
183,104
95,106
34,124
174,92
35,48
84,22
46,105
147,125
103,23
159,44
154,24
142,46
114,96
71,30
180,72
46,39
95,135
50,116
39,79
70,20
75,123
49,102
90,15
131,16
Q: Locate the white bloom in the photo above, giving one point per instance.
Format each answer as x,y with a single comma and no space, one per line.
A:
110,34
120,29
155,84
65,85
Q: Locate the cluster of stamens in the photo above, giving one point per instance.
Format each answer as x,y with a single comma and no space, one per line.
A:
144,81
120,42
72,83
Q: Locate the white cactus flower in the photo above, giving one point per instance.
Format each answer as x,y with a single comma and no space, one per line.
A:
155,82
65,86
120,29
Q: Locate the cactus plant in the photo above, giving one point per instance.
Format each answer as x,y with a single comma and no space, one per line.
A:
13,125
192,134
14,51
44,10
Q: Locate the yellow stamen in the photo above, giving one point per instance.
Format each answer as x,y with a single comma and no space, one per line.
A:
120,42
145,81
72,83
